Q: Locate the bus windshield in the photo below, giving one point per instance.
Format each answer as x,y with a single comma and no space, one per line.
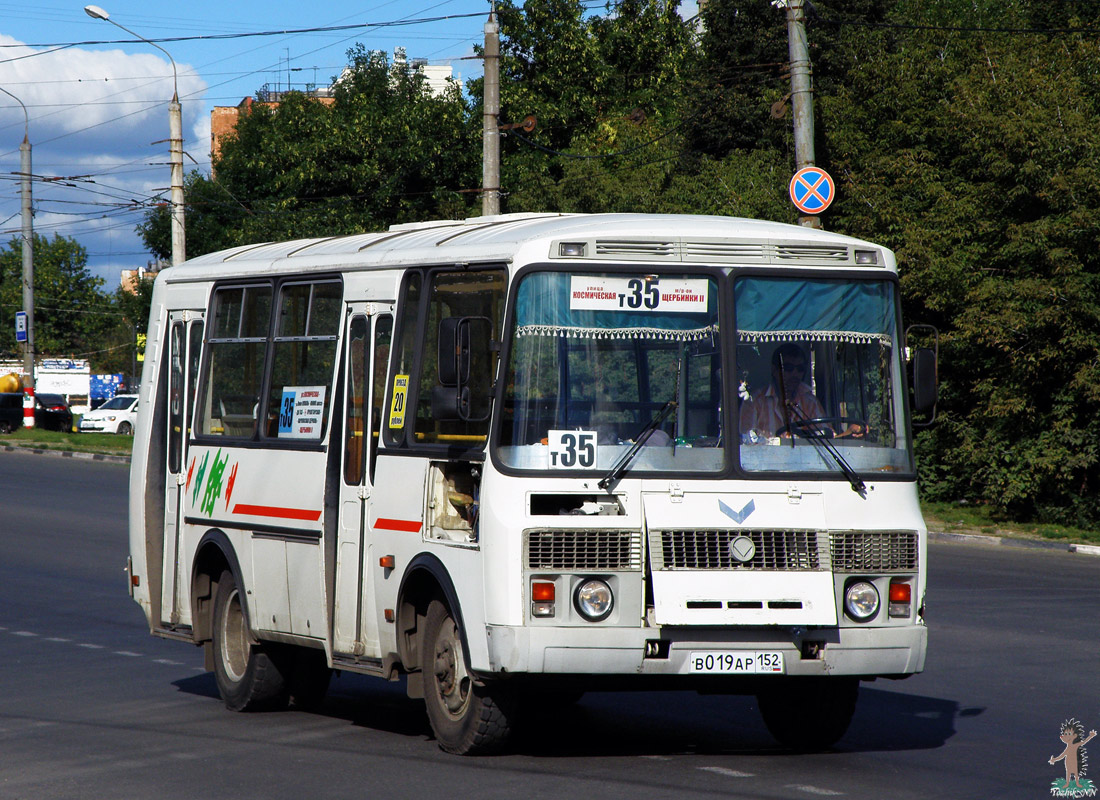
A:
595,357
819,376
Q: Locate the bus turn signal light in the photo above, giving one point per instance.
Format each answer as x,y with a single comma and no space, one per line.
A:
542,599
901,599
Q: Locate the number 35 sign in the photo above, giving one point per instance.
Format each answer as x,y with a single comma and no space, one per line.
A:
572,449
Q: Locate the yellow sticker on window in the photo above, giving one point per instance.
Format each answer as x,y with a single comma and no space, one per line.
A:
400,394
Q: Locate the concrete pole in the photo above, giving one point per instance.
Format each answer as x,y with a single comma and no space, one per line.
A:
490,161
802,95
175,134
28,283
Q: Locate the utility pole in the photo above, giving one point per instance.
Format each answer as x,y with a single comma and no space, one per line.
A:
175,137
28,264
802,95
490,138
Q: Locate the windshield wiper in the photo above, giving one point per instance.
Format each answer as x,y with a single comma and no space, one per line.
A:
640,439
818,437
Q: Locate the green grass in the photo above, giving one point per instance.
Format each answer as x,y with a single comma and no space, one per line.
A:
949,517
104,443
959,518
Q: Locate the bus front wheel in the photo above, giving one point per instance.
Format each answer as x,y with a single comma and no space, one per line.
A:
809,714
467,716
247,676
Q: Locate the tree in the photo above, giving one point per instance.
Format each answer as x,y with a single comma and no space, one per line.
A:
385,151
71,314
974,156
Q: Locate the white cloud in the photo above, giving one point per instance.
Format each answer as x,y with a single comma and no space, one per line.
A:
101,114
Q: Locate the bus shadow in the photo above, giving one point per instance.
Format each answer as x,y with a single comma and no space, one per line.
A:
685,722
642,723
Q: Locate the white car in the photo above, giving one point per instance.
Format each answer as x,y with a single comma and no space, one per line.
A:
117,415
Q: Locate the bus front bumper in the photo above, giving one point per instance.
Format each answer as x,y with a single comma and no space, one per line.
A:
885,651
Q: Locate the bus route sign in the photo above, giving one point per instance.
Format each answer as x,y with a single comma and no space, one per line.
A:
812,190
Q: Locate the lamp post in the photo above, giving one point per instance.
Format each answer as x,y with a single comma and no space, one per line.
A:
28,265
175,137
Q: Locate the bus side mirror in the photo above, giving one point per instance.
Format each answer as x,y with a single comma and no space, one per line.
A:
454,351
925,388
463,351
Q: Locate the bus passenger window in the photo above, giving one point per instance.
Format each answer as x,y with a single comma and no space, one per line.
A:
303,360
235,356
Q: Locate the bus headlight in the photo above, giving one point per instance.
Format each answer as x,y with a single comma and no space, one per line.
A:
861,600
593,600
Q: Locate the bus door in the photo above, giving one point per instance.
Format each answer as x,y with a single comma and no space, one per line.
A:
185,331
355,619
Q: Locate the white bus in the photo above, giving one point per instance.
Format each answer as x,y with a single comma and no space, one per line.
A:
515,458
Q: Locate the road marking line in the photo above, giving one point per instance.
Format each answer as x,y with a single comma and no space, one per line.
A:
801,787
23,633
56,639
729,773
127,653
168,661
91,646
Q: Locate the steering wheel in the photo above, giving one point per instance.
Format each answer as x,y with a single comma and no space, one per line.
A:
814,428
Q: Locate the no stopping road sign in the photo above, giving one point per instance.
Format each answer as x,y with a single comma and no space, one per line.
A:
812,190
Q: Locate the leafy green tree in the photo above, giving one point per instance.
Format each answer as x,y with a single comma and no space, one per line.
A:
974,156
600,86
385,151
71,314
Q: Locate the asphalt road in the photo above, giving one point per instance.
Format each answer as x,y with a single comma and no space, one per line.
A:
91,706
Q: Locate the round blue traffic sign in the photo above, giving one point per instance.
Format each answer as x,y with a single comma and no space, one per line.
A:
812,190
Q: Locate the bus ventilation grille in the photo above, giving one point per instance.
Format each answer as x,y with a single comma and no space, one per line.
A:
874,551
710,549
584,550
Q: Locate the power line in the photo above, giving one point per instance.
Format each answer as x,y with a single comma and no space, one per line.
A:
283,32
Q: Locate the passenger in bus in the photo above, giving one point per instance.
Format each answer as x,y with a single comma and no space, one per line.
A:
762,415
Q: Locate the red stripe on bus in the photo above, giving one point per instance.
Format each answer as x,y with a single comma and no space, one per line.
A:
277,511
406,525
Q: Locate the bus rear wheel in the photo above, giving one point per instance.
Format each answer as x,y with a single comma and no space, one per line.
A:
808,714
248,677
468,716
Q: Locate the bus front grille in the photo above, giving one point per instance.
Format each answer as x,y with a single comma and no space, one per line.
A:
711,549
874,551
584,550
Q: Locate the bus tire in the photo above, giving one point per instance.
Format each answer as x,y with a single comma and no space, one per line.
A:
248,677
469,717
808,714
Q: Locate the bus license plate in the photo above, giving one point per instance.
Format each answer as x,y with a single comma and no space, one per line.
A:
737,662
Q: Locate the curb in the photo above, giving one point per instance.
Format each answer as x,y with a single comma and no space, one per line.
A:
42,451
1012,541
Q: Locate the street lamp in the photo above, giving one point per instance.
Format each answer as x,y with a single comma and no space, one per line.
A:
28,265
175,134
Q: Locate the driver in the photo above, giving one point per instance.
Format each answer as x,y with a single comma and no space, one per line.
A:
762,415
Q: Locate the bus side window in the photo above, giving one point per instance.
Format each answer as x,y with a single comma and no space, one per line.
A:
383,336
235,355
303,360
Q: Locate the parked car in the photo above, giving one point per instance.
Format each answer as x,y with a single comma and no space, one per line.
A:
117,415
11,411
51,412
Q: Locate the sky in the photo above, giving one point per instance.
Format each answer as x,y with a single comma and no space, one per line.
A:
96,98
